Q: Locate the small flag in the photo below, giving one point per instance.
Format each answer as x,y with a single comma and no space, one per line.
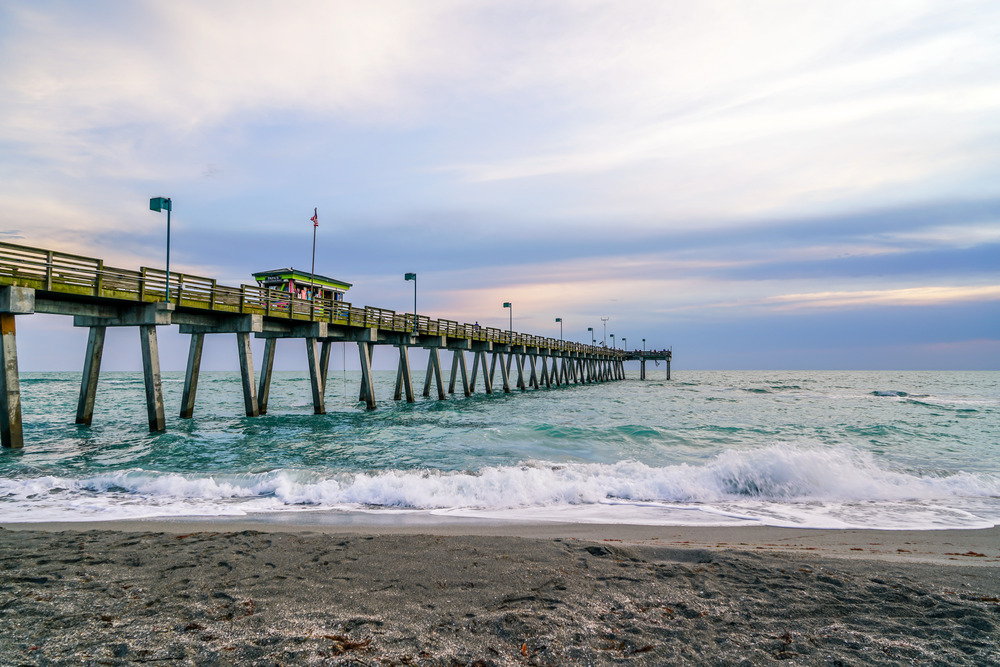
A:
315,218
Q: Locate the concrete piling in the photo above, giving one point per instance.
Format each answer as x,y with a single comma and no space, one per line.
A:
191,375
151,378
91,374
316,383
11,430
434,373
246,374
367,395
266,366
404,378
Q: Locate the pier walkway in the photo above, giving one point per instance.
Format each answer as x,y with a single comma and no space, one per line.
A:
97,296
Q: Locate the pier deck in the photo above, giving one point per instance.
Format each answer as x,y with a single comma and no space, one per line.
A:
97,296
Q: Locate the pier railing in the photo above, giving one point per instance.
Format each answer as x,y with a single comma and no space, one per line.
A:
64,273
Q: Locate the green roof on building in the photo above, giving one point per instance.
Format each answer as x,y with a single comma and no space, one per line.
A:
302,277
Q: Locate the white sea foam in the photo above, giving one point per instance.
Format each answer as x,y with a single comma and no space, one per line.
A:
777,485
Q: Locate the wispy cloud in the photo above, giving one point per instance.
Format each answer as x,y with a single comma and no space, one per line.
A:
912,296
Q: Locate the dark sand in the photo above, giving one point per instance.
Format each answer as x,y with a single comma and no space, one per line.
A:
206,593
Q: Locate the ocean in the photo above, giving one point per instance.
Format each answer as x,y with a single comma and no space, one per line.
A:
890,450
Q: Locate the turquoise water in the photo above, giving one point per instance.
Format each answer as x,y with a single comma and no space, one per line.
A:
816,449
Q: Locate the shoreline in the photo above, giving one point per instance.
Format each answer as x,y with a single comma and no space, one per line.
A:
967,547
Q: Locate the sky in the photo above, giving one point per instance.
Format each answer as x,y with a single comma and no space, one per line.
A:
756,185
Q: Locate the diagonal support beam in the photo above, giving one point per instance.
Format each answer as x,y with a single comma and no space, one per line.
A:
504,375
246,374
454,372
324,362
316,383
434,373
367,387
404,379
151,378
266,366
519,359
91,374
460,358
480,359
191,375
475,372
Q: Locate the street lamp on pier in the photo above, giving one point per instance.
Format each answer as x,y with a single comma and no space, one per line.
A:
510,329
592,339
413,277
612,340
559,320
159,204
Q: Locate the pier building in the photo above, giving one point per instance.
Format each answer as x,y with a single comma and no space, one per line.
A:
305,285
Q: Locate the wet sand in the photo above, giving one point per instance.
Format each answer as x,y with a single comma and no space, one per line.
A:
268,591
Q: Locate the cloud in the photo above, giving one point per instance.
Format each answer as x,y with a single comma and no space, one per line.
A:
187,63
958,235
912,296
641,159
730,111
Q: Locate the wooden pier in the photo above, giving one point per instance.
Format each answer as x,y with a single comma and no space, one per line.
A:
33,280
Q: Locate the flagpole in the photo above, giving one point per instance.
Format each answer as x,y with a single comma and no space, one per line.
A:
312,277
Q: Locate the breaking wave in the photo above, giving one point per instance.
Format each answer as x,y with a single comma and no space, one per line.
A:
747,483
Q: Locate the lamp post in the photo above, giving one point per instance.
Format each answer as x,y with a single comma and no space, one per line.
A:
510,329
605,320
413,277
158,204
612,340
625,343
312,275
592,339
559,320
644,346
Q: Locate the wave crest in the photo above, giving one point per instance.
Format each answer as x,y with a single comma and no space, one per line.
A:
778,473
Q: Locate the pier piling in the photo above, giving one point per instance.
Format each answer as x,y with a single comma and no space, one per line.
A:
487,379
246,374
504,373
151,377
367,395
91,374
316,382
404,378
324,363
11,431
191,375
434,373
266,366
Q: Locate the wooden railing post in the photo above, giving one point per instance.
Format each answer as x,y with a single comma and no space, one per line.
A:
142,284
48,270
99,279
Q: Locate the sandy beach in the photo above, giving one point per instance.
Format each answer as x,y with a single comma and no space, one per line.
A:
267,592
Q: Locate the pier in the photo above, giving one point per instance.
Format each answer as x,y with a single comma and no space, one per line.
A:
97,296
